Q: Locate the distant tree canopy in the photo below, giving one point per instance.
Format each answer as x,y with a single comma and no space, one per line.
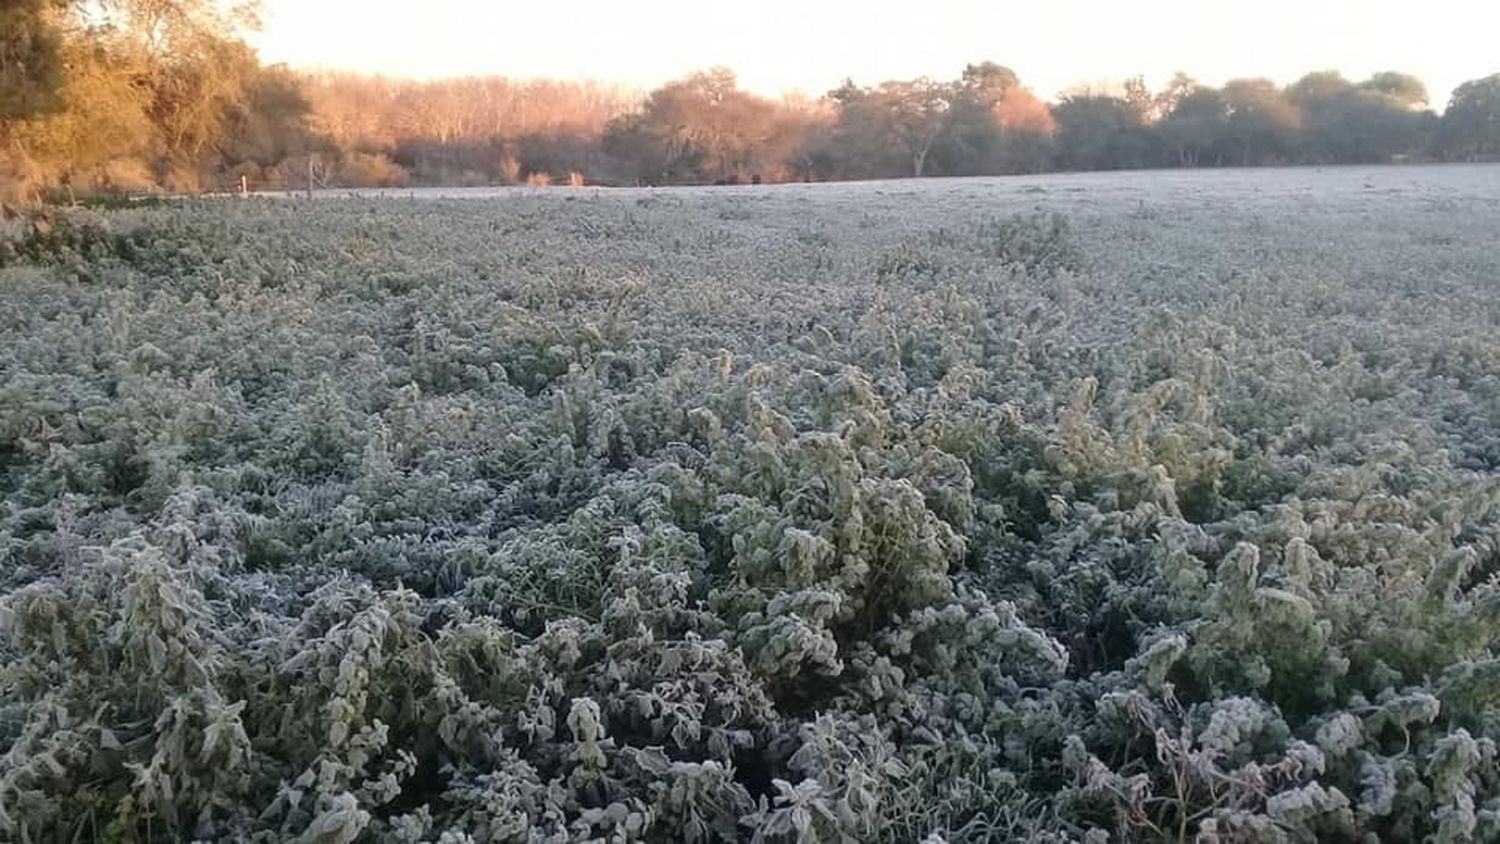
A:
1321,118
466,131
1195,127
132,94
985,122
1368,122
993,125
1471,125
1102,132
149,94
699,129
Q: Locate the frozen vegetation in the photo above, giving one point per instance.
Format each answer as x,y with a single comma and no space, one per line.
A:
1140,507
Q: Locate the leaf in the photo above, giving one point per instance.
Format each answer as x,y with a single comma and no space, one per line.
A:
156,651
653,760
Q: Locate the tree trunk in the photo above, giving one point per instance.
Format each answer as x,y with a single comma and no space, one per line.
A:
919,157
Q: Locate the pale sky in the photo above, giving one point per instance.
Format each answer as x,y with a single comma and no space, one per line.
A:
811,45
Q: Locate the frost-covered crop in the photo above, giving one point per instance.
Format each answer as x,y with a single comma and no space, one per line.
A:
784,515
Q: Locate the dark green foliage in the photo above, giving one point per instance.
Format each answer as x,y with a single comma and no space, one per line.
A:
1471,124
1099,132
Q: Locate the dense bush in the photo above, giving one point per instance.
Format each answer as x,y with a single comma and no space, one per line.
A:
601,518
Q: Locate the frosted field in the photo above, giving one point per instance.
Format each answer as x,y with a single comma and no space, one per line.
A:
1332,184
1109,507
1206,234
1382,260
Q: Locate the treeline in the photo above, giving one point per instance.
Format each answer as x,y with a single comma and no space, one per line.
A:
142,95
379,131
703,129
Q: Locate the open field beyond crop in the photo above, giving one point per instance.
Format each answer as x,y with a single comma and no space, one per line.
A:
1137,507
